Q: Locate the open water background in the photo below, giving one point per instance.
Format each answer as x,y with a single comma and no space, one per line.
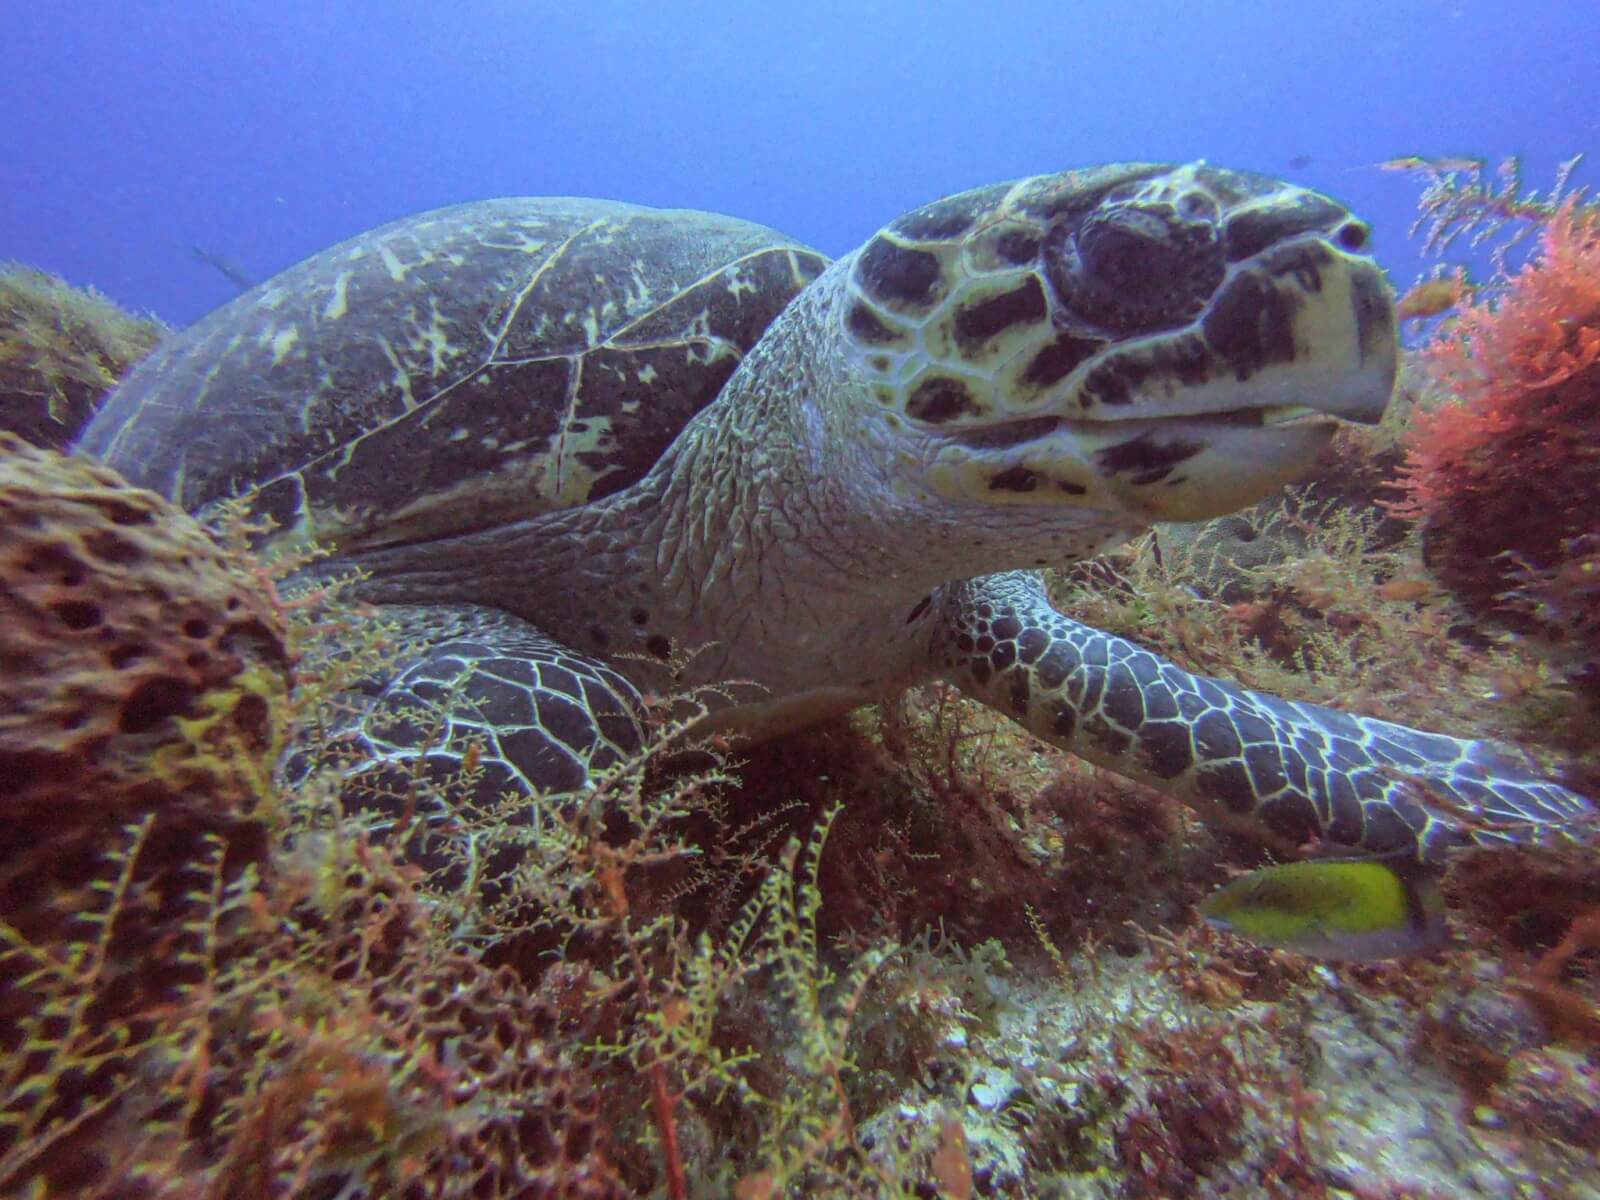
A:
265,131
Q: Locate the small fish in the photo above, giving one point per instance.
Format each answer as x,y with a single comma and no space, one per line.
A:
1435,166
1300,162
1432,297
1357,910
230,271
1447,164
1403,589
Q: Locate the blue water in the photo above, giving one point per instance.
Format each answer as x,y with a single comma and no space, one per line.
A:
134,129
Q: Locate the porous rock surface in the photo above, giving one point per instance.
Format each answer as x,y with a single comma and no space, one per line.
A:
141,668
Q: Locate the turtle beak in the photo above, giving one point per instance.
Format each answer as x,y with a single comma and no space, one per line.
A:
1339,361
1365,392
1309,332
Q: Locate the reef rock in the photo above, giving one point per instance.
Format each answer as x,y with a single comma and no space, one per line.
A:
61,349
141,668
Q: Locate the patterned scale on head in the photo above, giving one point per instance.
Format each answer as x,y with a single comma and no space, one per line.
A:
1086,315
585,450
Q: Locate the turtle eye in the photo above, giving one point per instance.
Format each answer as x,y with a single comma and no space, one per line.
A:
1132,268
1197,206
1130,254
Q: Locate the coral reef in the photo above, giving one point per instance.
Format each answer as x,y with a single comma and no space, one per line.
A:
307,1036
143,693
144,699
348,1052
144,670
204,991
61,348
907,953
1553,1092
1501,471
733,1012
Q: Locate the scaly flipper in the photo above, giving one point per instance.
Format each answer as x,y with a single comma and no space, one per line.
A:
1288,771
485,688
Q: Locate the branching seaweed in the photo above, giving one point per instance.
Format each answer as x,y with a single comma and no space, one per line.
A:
1466,200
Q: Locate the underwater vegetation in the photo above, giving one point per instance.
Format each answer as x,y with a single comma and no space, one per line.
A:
60,349
908,953
1502,469
203,993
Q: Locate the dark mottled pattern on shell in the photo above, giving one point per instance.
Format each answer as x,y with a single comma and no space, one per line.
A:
456,368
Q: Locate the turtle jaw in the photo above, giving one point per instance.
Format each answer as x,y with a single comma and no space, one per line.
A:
1140,471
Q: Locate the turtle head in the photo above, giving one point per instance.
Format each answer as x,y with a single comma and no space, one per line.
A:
1150,342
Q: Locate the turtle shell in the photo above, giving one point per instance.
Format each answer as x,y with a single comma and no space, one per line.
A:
456,369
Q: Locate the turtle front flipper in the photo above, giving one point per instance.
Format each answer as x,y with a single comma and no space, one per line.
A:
1289,772
482,698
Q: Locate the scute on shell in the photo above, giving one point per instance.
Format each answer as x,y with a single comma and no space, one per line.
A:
454,370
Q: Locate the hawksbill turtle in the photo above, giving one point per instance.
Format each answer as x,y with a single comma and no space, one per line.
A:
570,441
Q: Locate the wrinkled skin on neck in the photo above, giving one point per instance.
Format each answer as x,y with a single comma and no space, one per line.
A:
775,544
1002,379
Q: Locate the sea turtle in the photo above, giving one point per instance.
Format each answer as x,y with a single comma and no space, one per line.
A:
587,451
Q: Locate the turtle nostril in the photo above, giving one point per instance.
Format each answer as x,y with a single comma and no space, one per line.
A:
1353,235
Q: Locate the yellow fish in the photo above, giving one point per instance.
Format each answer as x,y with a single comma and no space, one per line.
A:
1403,589
1348,909
1434,296
1431,298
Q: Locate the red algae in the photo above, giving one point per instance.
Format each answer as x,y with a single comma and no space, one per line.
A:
1504,476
